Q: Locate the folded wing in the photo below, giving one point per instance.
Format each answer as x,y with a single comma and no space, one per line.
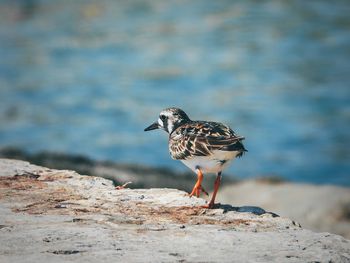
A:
203,139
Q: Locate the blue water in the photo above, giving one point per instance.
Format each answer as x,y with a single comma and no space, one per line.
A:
88,76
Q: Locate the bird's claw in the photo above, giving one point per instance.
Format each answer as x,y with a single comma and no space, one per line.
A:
119,187
210,205
197,191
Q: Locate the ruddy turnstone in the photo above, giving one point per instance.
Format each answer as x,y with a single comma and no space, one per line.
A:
203,146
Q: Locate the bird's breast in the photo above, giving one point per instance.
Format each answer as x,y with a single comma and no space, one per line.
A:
213,163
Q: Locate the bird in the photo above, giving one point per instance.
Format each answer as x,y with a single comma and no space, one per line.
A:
203,146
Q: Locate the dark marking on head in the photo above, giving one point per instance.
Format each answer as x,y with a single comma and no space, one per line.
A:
164,119
172,118
178,113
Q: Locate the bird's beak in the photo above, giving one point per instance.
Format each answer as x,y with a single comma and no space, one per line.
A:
153,126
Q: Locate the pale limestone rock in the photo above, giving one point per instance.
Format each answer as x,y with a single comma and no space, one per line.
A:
56,216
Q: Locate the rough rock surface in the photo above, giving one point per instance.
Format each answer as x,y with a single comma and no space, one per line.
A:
321,208
56,216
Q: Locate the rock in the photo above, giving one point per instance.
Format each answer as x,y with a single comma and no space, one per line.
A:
316,207
59,215
141,176
319,207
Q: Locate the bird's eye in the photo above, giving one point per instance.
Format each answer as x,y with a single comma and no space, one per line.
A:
162,117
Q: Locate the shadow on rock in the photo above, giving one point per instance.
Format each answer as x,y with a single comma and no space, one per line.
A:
244,209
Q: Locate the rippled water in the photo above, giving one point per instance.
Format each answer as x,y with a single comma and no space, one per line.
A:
87,76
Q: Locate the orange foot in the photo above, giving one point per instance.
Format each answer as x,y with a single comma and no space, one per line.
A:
209,205
119,187
197,191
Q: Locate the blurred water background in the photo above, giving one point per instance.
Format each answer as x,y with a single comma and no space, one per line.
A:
86,77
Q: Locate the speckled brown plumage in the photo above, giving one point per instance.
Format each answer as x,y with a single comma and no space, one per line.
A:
203,146
201,138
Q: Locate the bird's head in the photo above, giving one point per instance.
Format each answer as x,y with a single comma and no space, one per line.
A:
169,119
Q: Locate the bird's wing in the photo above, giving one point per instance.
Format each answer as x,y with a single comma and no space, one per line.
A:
201,139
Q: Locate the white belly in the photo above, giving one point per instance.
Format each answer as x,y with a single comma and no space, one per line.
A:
214,163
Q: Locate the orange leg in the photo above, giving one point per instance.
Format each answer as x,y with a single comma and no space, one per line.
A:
216,188
198,186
